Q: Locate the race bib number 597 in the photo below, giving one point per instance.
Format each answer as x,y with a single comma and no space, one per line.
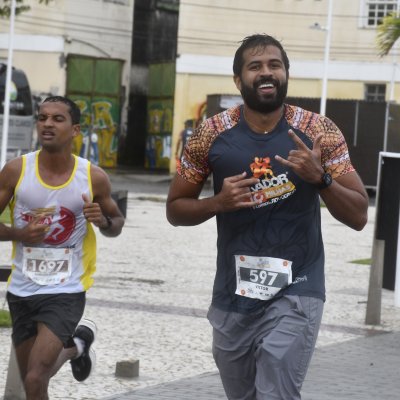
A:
261,277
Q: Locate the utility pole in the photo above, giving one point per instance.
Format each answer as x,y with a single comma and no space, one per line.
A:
6,114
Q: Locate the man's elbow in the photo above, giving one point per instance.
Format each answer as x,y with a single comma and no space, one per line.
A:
171,218
358,223
361,223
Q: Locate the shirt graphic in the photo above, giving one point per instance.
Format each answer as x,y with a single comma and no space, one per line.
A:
270,188
60,220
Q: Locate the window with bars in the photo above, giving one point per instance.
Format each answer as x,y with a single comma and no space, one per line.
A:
375,92
378,9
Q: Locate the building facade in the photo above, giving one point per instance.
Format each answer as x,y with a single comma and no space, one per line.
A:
81,49
210,31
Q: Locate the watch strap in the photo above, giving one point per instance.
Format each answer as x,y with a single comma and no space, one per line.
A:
326,181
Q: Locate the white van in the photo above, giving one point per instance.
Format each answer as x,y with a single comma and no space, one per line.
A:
21,123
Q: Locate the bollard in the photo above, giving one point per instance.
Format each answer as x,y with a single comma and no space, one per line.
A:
14,388
127,369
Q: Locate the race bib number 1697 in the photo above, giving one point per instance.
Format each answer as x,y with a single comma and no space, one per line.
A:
47,266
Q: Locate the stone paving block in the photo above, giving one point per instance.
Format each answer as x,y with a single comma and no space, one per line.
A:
127,369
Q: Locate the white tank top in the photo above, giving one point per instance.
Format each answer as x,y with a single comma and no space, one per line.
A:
66,260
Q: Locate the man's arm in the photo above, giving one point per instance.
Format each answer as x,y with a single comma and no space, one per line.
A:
103,212
346,198
185,208
178,145
33,232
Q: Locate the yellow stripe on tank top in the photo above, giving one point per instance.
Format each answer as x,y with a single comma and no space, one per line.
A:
88,257
89,245
11,206
54,187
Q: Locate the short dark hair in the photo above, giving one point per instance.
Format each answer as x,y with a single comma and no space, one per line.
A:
74,110
252,42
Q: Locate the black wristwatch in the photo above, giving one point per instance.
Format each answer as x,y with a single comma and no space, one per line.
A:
326,180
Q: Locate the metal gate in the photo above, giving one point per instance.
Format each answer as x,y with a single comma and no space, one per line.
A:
95,85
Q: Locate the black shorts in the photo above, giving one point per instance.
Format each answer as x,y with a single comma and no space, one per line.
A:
59,312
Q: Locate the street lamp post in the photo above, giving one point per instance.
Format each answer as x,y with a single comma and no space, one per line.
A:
328,30
326,58
6,113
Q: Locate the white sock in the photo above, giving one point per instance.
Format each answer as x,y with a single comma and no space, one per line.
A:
80,345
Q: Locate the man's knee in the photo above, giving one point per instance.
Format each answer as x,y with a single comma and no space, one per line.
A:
36,381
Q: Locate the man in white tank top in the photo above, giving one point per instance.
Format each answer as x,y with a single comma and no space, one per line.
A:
54,198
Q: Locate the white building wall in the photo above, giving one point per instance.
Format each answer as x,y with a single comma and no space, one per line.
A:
45,35
214,30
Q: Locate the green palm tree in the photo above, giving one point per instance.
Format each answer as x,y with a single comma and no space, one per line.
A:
5,7
388,33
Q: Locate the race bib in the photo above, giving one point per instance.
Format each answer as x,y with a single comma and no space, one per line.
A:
261,277
47,266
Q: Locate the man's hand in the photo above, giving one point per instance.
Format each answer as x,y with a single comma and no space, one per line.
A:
34,232
93,213
235,193
304,162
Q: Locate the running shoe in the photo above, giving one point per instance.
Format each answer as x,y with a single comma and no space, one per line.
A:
83,365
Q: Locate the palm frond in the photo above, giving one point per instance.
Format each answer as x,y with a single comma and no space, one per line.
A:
388,33
5,7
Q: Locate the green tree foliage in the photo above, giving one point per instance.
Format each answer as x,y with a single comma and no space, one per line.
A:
388,33
5,7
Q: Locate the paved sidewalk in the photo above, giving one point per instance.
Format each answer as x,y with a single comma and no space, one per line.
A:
150,297
359,369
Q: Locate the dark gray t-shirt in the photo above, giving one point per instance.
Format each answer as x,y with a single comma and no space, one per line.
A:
286,224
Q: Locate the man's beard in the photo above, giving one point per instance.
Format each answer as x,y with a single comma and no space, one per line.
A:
264,104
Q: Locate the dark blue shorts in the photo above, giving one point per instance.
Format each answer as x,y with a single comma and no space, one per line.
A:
59,312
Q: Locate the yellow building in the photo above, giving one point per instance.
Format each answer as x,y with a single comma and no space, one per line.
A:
210,31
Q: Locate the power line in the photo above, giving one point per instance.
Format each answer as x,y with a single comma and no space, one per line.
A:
260,11
59,24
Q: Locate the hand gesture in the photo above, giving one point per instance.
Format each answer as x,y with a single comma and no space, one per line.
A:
34,232
304,162
235,193
92,212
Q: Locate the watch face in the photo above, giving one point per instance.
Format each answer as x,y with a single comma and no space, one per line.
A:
327,179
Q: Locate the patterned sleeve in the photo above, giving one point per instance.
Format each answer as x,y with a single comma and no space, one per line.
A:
194,163
335,156
195,167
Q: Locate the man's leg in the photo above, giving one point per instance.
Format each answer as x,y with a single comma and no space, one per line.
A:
284,352
80,352
36,359
22,353
233,352
237,371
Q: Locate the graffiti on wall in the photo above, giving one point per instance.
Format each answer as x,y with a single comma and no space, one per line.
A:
158,142
99,127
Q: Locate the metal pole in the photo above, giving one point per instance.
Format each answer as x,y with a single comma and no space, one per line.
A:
373,312
326,58
397,269
6,115
391,92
